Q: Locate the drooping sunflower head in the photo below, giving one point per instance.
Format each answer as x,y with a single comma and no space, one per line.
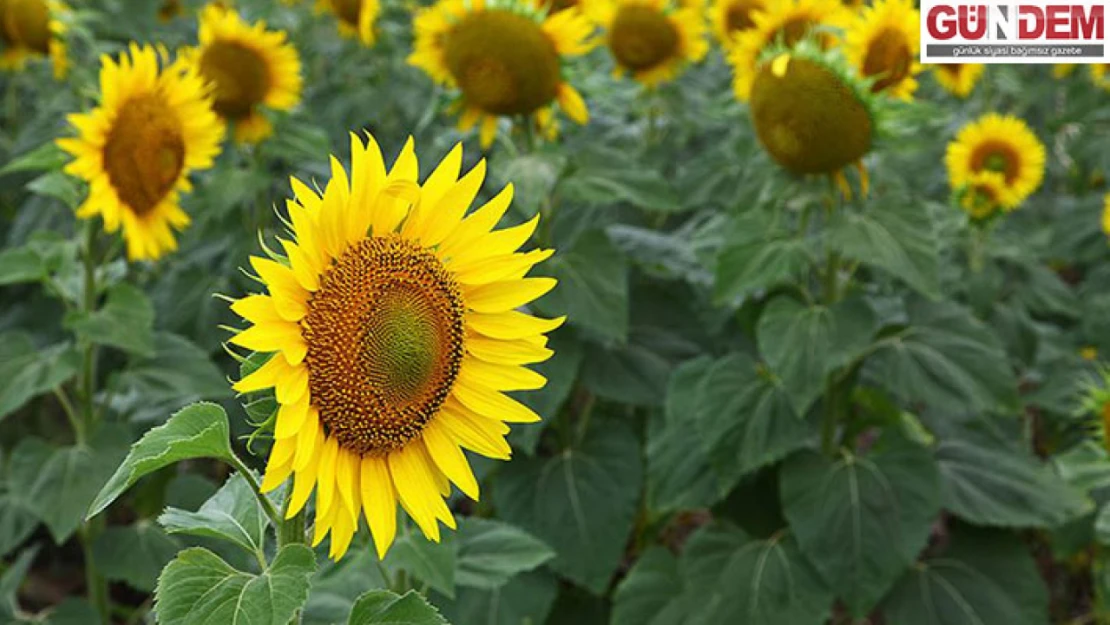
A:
394,325
653,40
783,23
732,17
982,196
883,45
958,78
1001,144
33,29
249,68
505,59
153,127
356,18
809,115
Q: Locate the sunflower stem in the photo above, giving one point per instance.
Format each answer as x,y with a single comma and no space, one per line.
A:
290,531
95,585
88,366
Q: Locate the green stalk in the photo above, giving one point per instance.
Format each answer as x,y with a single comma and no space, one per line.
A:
290,531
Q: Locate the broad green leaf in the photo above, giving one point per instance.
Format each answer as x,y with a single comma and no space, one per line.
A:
46,157
650,593
199,588
232,514
178,369
1085,466
581,502
803,344
134,554
593,286
59,186
337,585
17,520
382,607
28,371
758,264
433,563
898,238
43,254
18,512
561,371
861,520
73,611
12,579
945,360
982,579
526,600
125,321
641,188
197,431
64,486
629,373
575,606
492,552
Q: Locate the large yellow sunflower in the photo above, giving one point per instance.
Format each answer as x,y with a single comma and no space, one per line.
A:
883,45
653,40
505,58
394,322
32,28
249,67
732,17
1002,144
153,127
958,78
356,17
786,22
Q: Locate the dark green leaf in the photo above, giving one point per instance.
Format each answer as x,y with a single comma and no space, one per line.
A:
179,369
492,552
381,607
641,188
46,157
898,238
758,264
125,322
526,600
28,372
648,595
12,579
134,554
433,563
593,286
59,186
232,514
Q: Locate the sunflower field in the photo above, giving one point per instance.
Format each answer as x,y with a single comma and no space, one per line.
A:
546,312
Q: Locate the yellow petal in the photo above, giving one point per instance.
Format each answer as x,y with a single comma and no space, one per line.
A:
379,502
291,417
492,404
516,352
272,337
449,458
290,299
304,480
417,489
504,296
310,441
498,377
498,243
511,324
257,309
475,433
500,268
347,482
265,376
325,478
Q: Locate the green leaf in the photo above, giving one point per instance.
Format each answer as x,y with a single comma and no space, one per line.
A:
1085,466
197,431
134,554
12,579
18,512
382,607
561,371
491,553
898,238
42,255
639,187
648,595
983,578
64,486
756,264
59,186
178,369
581,502
46,157
629,373
593,286
804,344
945,360
861,520
232,514
337,585
28,372
74,611
199,588
526,600
125,321
433,563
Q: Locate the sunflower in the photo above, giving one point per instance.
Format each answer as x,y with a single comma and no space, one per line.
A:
1063,70
505,59
395,325
958,78
731,17
982,195
249,67
1002,144
356,17
652,39
153,127
783,22
883,45
33,28
1100,74
1106,214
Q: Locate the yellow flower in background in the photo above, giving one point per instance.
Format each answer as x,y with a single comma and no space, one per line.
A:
356,17
731,17
1106,214
1089,353
505,59
249,67
30,29
1100,73
153,127
393,318
651,40
1002,144
982,195
783,22
959,79
883,44
1063,70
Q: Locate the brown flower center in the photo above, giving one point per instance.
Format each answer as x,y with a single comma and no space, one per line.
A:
348,11
996,156
738,17
25,23
808,119
503,62
169,10
144,153
385,343
240,77
642,38
888,57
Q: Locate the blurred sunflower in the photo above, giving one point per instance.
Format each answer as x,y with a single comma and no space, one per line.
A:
356,17
505,59
883,44
652,40
982,195
731,17
811,117
1063,70
153,127
1002,144
958,78
249,68
32,28
1106,215
395,325
784,22
1100,73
